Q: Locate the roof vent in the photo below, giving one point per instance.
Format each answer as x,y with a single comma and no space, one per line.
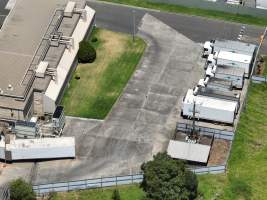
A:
10,87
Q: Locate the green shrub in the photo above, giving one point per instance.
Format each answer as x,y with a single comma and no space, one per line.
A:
94,39
168,179
86,53
21,190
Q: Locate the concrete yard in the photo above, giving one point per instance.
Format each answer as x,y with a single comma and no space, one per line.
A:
142,120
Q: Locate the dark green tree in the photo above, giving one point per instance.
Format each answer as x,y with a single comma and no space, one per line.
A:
86,53
21,190
116,195
168,179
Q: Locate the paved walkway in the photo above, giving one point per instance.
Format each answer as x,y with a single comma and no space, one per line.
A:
144,117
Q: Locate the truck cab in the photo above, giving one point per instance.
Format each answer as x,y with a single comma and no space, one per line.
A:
208,48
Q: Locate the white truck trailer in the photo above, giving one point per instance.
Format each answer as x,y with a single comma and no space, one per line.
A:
209,108
235,75
212,46
230,59
37,149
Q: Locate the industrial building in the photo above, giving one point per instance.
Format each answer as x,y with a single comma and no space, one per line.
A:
38,49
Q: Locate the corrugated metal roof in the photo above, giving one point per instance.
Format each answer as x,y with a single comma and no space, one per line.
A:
188,151
234,46
234,71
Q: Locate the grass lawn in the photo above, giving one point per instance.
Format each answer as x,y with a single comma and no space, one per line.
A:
247,171
101,82
246,19
132,192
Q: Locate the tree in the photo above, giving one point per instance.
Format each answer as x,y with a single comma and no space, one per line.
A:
21,190
86,53
168,179
116,195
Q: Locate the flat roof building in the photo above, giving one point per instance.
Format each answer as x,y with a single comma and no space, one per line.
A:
39,42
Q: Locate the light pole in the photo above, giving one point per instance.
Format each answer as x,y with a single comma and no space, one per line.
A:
133,25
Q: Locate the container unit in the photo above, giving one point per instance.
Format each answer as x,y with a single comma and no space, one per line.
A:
235,60
220,84
235,47
41,148
226,95
209,108
235,75
212,46
25,129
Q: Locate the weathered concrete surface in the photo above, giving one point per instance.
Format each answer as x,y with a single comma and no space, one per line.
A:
144,117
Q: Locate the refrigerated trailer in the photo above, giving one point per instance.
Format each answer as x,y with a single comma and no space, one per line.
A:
37,149
233,74
230,59
235,60
212,46
209,108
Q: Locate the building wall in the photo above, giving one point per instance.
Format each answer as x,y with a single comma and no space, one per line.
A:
11,114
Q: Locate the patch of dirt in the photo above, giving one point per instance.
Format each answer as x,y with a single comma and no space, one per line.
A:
219,152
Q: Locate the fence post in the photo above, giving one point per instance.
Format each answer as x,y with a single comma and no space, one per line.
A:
116,181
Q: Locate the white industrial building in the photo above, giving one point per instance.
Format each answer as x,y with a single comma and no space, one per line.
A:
39,42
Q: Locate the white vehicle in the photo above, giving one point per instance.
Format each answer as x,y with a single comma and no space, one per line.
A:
209,108
37,149
235,60
208,48
234,74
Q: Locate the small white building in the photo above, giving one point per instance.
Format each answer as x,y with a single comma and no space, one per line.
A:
188,151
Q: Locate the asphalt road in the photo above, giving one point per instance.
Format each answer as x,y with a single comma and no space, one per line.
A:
199,29
3,11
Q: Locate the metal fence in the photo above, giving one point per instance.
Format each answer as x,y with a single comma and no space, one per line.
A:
110,181
217,133
259,79
216,6
211,170
87,184
4,193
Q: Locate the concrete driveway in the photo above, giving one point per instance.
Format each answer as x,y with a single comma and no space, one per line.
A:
142,120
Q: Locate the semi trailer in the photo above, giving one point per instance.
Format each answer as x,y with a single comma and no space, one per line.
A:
233,74
230,59
209,108
212,46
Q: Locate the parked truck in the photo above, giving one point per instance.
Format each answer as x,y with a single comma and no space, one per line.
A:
209,108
